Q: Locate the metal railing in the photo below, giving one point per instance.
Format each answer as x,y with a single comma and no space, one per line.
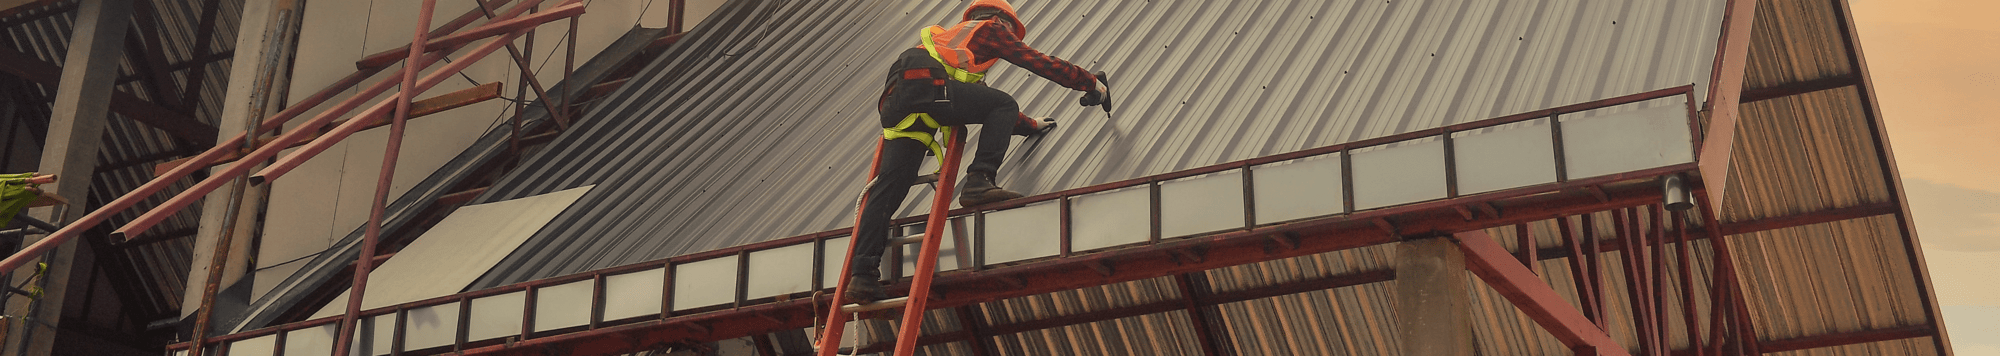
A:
659,291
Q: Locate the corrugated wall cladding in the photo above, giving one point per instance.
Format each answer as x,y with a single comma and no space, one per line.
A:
760,124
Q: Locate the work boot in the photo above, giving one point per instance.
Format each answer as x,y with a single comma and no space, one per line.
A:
978,189
1031,127
864,290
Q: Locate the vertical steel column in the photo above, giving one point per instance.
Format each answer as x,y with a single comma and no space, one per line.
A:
1433,308
1630,253
365,261
1525,239
1579,274
1688,312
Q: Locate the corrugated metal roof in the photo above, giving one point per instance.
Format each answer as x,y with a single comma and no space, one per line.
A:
757,127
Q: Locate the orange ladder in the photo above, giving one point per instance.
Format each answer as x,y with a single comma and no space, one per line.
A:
920,287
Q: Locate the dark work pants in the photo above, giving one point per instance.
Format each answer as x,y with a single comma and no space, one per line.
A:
993,110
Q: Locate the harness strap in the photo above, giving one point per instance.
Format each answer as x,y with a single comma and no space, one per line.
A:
901,130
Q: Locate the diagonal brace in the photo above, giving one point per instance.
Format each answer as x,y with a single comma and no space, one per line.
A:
1533,296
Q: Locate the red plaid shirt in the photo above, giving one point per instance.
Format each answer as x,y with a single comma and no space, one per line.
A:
996,41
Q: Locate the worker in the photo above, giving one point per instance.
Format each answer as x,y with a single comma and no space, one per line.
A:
940,83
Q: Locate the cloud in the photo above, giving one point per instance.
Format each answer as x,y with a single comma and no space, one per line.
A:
1954,218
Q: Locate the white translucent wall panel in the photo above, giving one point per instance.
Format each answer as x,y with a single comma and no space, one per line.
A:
315,341
1625,141
496,316
634,294
1027,232
1298,189
1201,204
563,305
835,255
783,270
258,346
1110,219
1400,173
1507,157
705,283
381,333
948,250
431,326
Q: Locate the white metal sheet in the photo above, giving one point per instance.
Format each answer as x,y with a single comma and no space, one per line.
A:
1299,189
315,341
380,333
455,252
783,270
497,316
1110,219
1627,140
1201,204
256,346
833,255
705,283
431,326
564,305
634,294
1510,157
1399,173
1027,232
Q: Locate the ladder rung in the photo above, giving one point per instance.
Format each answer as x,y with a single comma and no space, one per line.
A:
912,239
896,302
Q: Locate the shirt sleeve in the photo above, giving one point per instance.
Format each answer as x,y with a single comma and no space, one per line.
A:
997,42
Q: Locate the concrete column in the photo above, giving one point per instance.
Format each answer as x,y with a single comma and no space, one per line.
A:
261,45
1433,316
76,132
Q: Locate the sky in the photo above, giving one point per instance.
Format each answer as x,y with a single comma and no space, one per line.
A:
1936,70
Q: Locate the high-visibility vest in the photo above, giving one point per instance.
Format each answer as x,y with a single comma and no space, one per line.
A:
949,46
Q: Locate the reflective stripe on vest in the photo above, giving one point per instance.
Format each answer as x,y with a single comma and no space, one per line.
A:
948,47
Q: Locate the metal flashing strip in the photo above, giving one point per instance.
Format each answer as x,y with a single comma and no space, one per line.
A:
695,293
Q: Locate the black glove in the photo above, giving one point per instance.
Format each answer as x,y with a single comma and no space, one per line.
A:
1099,96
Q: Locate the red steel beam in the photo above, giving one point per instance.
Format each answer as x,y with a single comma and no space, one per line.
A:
1847,338
1797,88
204,41
1533,296
421,108
501,24
1725,87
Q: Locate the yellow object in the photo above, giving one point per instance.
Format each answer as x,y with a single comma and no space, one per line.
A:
891,133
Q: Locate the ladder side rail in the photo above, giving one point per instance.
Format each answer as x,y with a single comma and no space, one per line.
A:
920,285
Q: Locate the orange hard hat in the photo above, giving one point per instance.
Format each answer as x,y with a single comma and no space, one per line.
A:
1006,10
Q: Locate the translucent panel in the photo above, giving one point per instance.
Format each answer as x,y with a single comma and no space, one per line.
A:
315,341
382,331
705,283
1627,141
835,255
1401,173
258,346
1511,157
497,316
431,326
1201,204
1027,232
948,251
563,305
1299,189
783,270
634,294
1110,219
